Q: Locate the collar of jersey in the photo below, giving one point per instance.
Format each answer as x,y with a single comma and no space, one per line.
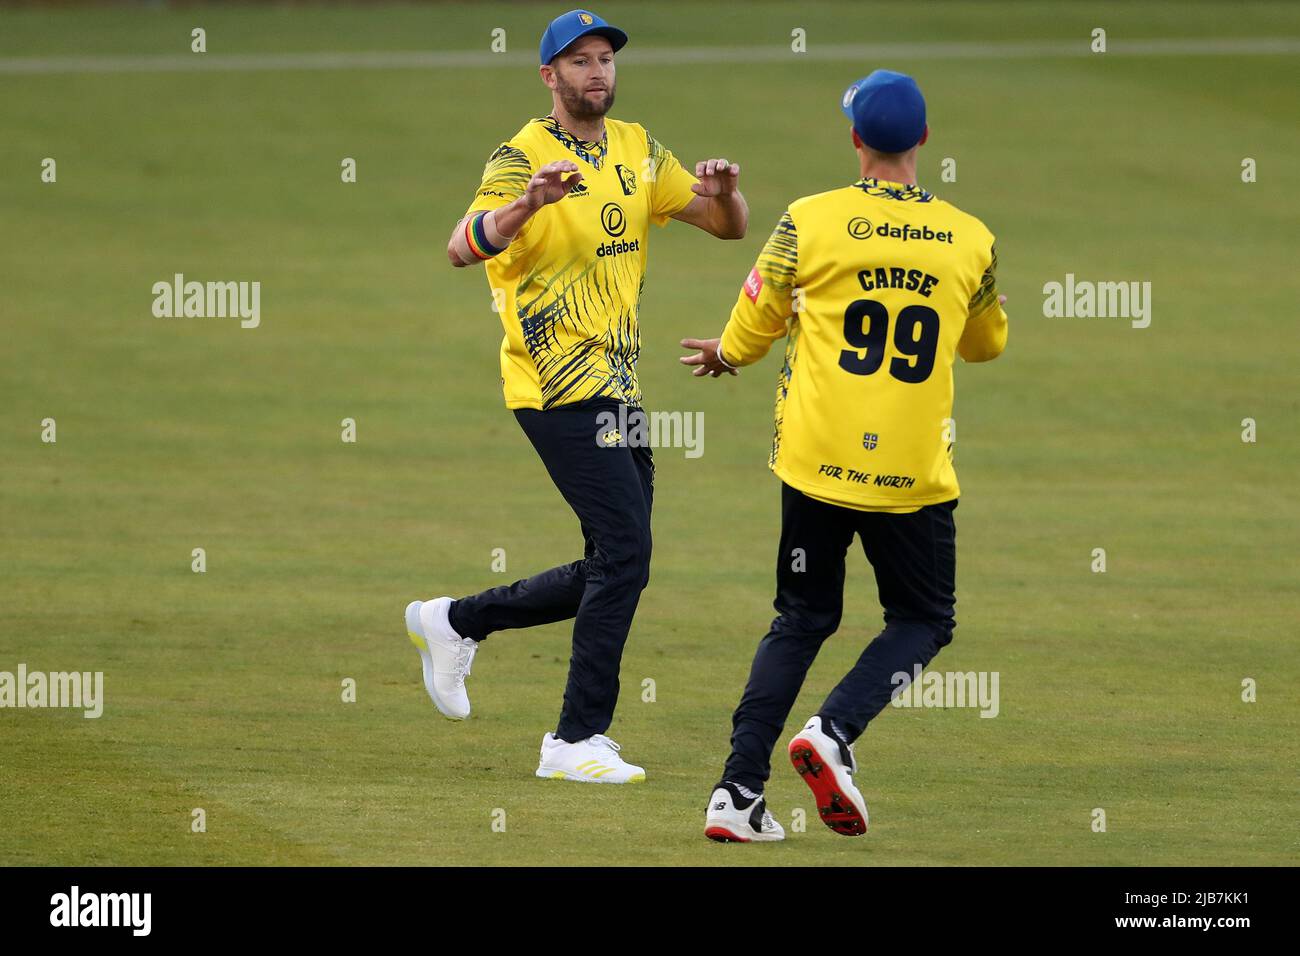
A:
590,152
888,190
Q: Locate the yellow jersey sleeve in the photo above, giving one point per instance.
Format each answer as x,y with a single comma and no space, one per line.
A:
766,301
985,334
505,178
670,184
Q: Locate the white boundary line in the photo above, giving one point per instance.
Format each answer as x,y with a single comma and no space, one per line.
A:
866,54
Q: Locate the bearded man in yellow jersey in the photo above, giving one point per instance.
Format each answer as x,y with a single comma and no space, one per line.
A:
561,220
876,287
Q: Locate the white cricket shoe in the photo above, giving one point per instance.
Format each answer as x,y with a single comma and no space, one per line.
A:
445,655
728,823
594,760
819,757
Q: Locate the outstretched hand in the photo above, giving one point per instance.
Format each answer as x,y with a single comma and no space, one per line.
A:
717,177
705,361
549,185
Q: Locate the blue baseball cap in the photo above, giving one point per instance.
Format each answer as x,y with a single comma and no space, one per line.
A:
887,109
568,27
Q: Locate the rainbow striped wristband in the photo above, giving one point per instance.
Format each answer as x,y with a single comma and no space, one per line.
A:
476,236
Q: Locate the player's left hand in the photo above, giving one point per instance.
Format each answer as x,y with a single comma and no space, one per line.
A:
717,177
706,360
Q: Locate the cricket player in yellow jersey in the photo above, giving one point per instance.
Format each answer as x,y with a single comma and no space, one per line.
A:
876,287
561,219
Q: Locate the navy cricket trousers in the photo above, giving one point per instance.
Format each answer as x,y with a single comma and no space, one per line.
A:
610,487
914,558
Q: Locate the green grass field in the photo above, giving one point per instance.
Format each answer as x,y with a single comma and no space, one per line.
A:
1119,690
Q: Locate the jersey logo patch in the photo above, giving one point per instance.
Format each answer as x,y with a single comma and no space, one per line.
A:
613,219
753,285
860,228
870,440
626,179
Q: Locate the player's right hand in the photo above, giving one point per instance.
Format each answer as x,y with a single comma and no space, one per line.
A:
549,184
706,361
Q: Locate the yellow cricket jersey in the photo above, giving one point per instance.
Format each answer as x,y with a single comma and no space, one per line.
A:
570,281
877,288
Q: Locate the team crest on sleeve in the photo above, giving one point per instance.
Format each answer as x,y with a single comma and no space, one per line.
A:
753,285
626,179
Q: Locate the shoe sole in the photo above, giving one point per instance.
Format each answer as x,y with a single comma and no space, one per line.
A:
722,834
565,775
837,811
426,659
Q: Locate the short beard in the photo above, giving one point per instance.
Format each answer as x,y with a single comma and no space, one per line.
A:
577,105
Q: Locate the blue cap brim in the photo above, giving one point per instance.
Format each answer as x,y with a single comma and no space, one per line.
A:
616,37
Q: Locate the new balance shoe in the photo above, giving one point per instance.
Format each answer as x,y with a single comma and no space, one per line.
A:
445,656
734,818
594,760
827,765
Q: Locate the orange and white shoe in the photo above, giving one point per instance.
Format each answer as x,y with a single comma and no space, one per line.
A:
732,818
820,758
